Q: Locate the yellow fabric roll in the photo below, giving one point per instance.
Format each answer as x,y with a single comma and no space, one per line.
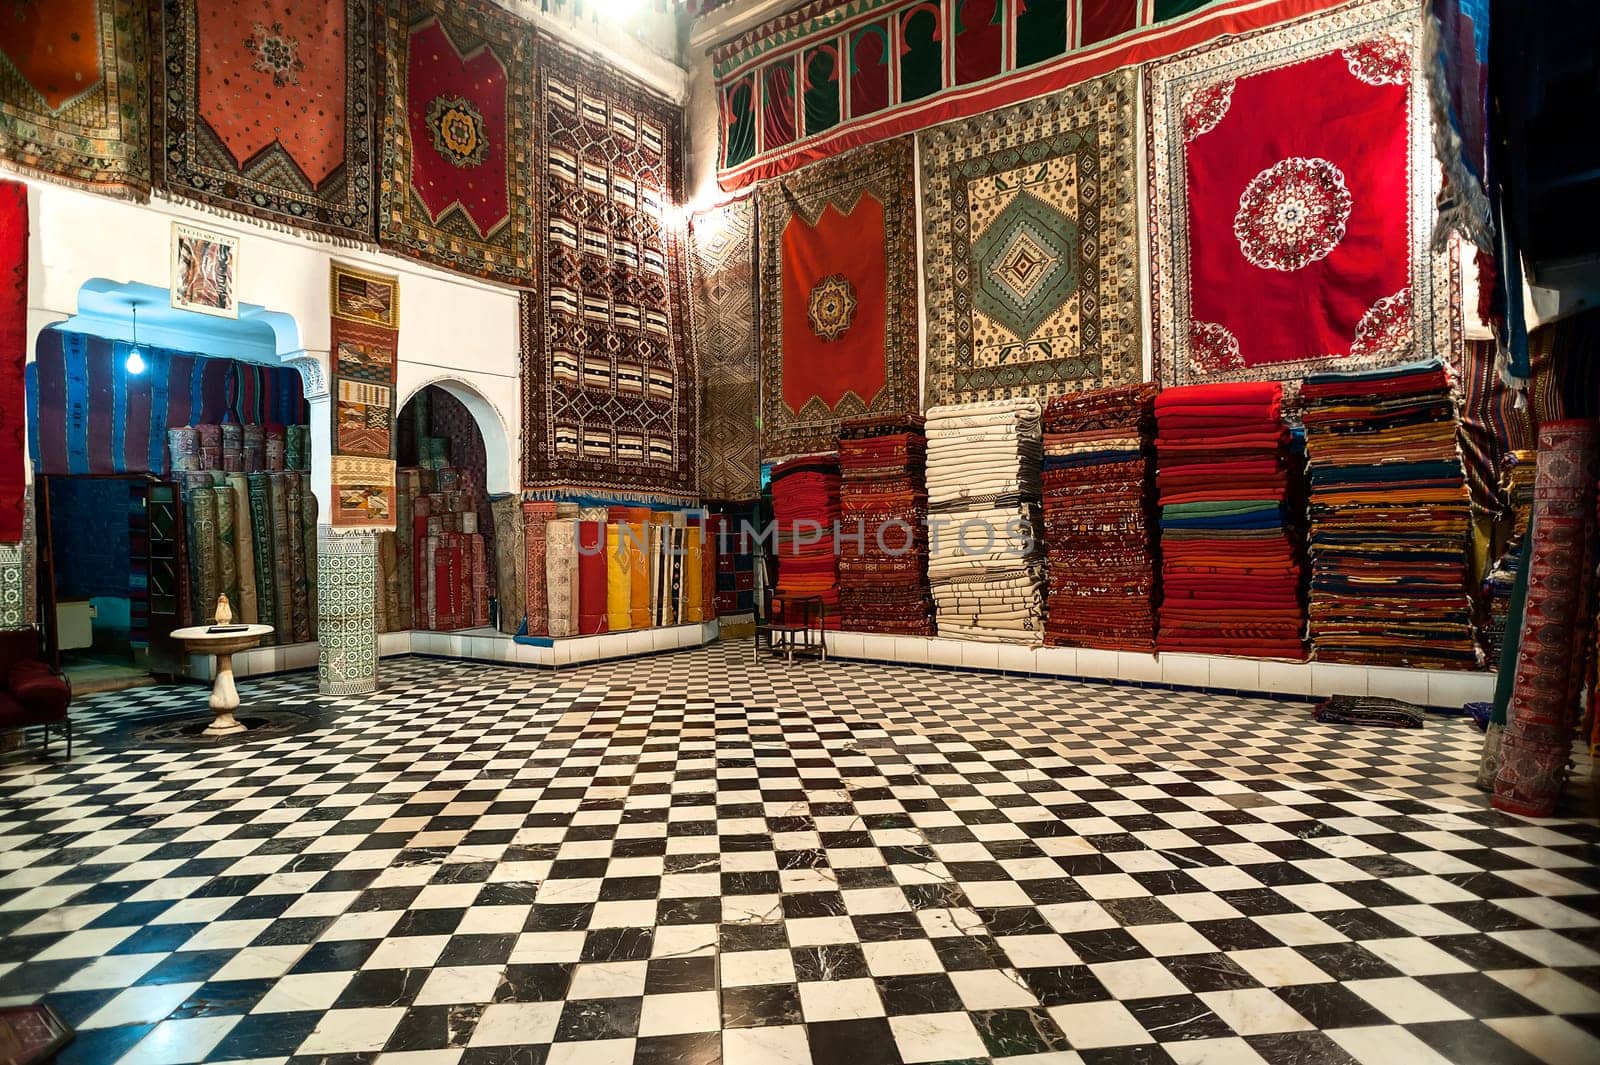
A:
619,579
694,609
639,565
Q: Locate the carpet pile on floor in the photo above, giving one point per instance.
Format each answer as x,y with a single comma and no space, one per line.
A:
986,549
1389,519
1097,477
1230,560
883,503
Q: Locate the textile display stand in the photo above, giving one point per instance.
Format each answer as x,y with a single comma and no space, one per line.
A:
985,552
1098,509
883,506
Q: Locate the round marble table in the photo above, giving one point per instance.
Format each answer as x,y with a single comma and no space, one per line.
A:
222,646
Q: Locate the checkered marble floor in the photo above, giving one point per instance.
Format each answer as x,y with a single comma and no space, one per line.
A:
696,859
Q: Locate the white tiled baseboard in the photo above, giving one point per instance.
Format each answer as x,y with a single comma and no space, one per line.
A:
482,645
1426,687
1216,672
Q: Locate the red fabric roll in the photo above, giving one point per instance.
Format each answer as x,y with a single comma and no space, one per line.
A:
591,578
13,354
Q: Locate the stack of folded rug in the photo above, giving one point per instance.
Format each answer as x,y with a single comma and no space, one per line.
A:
1389,519
1098,452
805,510
1230,563
883,504
985,547
1368,710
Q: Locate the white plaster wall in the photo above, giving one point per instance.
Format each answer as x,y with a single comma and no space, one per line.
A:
451,327
700,133
700,107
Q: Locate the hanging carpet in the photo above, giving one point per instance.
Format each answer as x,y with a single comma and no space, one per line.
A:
74,84
839,297
1029,231
1291,202
608,377
458,120
264,108
13,355
727,344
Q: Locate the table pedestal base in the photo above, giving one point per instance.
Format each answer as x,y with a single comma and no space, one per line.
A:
224,700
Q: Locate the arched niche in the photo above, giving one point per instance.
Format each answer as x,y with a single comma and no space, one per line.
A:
499,462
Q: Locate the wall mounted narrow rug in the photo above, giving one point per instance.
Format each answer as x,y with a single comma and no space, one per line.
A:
457,130
366,340
264,107
74,102
1292,201
722,308
1545,706
838,297
608,378
1029,230
13,355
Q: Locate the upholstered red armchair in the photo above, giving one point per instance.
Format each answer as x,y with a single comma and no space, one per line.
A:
32,695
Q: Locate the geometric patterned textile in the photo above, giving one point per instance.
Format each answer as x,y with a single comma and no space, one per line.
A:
838,297
264,107
347,629
819,79
1291,185
608,373
722,308
74,83
366,339
458,127
1030,232
965,868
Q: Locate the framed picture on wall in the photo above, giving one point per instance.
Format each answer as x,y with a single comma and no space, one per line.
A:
205,271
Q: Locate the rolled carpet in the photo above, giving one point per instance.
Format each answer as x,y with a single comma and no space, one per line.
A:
203,553
510,555
265,547
639,573
592,578
619,578
536,597
561,575
299,578
694,607
244,550
282,556
1536,749
227,556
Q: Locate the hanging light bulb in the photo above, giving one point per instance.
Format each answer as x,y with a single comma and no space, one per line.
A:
135,363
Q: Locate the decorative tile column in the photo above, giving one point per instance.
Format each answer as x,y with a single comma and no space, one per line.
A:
18,577
347,624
